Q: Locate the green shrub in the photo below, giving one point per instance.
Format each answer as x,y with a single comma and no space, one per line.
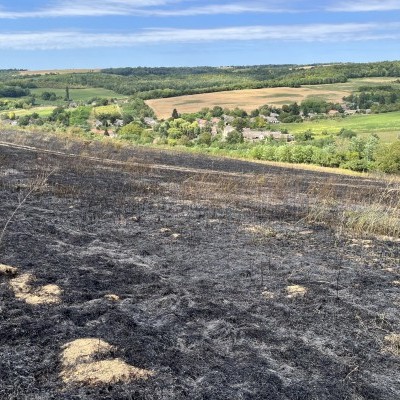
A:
388,158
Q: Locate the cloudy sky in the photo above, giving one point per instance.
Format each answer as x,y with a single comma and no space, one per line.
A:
44,34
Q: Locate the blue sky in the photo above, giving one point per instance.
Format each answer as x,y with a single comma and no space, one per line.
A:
48,34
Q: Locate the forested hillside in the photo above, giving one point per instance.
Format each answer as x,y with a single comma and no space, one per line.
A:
150,83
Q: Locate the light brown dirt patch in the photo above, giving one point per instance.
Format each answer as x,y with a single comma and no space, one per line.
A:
23,290
81,367
112,297
104,372
83,350
268,295
7,270
296,291
260,230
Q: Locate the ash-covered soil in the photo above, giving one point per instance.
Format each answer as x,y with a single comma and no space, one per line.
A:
201,266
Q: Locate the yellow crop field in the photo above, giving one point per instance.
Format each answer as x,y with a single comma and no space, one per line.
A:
58,71
247,99
111,109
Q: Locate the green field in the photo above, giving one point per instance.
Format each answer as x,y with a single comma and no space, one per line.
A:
353,85
111,109
42,111
83,94
386,126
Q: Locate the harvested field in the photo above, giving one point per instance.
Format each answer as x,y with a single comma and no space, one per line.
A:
251,99
57,71
192,277
248,99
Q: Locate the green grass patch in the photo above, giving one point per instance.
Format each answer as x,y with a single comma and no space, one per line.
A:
83,94
386,126
190,102
354,84
283,94
42,111
111,109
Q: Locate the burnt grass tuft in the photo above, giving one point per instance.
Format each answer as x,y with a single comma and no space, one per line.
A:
189,253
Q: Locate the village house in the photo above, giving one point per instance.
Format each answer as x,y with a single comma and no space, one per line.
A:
202,123
228,119
119,123
333,113
272,120
98,124
9,122
227,130
253,135
350,112
150,121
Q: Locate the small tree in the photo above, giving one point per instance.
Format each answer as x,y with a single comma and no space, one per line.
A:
234,137
67,94
388,158
175,114
132,131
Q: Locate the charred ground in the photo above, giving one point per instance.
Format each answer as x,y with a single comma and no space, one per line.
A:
200,252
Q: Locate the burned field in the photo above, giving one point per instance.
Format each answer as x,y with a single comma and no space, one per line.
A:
182,277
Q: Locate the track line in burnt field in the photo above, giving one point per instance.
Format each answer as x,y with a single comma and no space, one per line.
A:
248,168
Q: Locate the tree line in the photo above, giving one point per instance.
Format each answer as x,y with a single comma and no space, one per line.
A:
150,83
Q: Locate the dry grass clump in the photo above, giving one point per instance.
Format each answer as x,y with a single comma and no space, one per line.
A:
296,291
82,367
83,350
260,231
104,372
48,294
375,218
7,270
376,212
112,297
268,295
393,343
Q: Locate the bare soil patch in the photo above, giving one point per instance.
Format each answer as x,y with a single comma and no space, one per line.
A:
23,290
80,366
8,270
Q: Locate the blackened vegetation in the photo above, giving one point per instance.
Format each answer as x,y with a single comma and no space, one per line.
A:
190,255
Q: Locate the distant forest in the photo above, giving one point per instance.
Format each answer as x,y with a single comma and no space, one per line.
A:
150,83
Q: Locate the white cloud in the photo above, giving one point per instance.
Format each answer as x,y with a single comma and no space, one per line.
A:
85,8
366,6
215,9
304,33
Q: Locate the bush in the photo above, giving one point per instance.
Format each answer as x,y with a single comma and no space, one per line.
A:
283,154
205,138
234,137
388,158
132,131
357,165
